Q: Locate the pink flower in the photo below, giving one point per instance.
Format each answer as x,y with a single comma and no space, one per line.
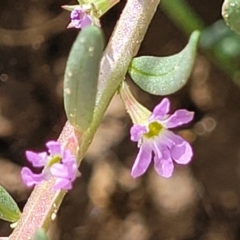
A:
153,136
79,18
57,162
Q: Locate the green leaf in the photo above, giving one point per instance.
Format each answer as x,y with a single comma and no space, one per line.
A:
81,77
164,75
9,210
40,234
231,14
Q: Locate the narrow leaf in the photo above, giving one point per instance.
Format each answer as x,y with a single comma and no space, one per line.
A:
164,75
81,77
9,210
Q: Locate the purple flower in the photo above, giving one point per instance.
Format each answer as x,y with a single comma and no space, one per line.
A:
79,18
153,136
57,162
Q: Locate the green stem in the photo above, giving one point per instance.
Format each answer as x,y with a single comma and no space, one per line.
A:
123,46
181,13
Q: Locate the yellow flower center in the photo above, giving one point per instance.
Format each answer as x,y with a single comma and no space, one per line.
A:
53,160
154,129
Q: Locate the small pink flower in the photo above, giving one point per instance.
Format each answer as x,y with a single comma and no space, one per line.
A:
79,18
153,136
57,162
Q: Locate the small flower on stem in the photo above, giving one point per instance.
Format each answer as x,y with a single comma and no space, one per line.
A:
151,131
57,162
79,18
88,12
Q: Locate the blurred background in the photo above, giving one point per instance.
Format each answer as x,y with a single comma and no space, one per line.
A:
201,201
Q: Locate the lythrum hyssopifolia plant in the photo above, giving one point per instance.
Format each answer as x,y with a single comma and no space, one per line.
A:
93,74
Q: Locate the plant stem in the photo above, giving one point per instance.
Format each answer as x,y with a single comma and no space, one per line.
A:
123,45
182,14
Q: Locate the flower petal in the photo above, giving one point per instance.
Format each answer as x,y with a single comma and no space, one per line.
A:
164,165
30,179
161,110
59,170
70,163
67,157
72,170
164,168
142,161
77,13
182,154
178,118
75,24
37,159
79,18
62,183
54,148
137,131
86,21
180,149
